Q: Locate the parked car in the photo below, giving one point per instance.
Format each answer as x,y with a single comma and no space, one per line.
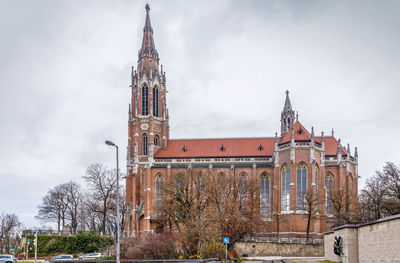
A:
90,256
7,259
60,258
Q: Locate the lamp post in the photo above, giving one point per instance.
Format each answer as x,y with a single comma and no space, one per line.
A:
117,234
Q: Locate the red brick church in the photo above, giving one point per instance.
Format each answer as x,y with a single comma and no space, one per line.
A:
286,164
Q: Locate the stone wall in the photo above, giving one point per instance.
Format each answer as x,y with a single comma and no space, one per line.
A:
350,245
380,241
261,249
377,241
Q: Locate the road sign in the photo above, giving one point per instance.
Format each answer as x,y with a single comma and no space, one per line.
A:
226,240
28,240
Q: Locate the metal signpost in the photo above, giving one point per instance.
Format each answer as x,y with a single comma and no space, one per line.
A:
35,244
226,242
27,248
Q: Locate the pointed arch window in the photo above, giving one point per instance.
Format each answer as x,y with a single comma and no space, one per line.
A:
301,186
159,190
156,140
221,191
145,100
145,147
328,193
316,175
221,181
264,195
180,186
350,191
285,184
155,102
242,191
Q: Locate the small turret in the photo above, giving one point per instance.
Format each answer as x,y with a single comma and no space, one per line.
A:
276,153
312,150
287,115
292,148
339,152
323,149
312,135
348,151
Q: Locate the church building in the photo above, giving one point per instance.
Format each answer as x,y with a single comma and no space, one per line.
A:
285,164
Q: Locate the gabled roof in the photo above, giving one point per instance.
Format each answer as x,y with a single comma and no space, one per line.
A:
224,147
300,133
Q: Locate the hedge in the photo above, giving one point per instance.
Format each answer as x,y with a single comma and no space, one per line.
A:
81,243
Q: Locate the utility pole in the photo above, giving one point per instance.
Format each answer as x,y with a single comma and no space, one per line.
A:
117,228
27,248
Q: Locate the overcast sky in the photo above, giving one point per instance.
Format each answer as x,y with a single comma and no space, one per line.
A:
65,69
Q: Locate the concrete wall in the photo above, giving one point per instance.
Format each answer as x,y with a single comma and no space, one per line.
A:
258,249
350,245
377,241
380,242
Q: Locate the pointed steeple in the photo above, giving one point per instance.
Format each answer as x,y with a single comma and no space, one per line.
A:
288,105
147,25
287,115
148,55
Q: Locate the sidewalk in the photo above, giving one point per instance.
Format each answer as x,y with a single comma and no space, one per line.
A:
310,259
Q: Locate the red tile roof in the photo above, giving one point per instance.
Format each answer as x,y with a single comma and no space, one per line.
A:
238,147
331,145
212,148
300,133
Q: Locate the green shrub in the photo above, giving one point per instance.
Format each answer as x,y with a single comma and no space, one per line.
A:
81,243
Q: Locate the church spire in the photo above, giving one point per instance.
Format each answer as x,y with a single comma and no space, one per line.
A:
147,25
288,105
148,51
287,115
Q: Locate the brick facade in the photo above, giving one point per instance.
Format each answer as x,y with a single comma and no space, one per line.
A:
152,154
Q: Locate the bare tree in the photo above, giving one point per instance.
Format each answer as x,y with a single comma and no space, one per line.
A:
9,229
277,214
311,202
91,218
73,197
390,178
200,205
374,194
102,183
185,202
54,207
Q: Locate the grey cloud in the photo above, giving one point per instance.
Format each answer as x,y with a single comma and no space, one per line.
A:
65,65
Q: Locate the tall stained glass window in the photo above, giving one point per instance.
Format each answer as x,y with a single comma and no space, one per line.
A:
264,195
301,186
285,184
155,102
145,100
159,190
145,144
328,193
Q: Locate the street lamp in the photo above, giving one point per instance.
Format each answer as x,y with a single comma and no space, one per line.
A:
110,143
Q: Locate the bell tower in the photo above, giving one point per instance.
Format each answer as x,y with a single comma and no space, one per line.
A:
148,120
